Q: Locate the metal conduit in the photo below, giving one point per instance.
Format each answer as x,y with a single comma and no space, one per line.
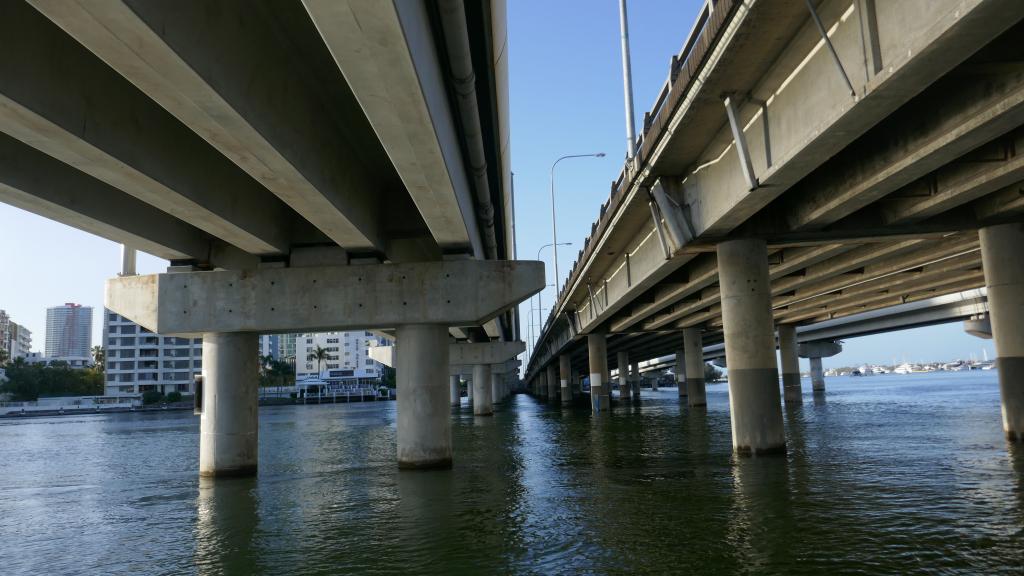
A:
456,37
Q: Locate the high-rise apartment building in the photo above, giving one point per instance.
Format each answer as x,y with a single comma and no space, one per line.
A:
69,331
348,356
139,360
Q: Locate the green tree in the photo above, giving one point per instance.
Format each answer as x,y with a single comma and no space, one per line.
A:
3,357
30,381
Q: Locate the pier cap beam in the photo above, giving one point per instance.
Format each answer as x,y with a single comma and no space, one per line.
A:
819,349
450,293
462,356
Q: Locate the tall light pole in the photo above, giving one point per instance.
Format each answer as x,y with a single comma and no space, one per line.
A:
554,226
627,82
539,301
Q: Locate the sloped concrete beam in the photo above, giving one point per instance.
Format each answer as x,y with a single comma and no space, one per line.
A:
463,292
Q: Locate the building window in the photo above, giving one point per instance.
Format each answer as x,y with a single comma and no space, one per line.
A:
112,317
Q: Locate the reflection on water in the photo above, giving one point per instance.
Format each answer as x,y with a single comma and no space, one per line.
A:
888,474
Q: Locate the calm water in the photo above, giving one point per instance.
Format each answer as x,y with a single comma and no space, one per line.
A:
889,474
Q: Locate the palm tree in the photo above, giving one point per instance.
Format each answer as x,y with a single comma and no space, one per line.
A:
320,355
265,363
99,356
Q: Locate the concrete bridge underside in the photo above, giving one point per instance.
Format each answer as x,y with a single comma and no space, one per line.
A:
305,165
803,163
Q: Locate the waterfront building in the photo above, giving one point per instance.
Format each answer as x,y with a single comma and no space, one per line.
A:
70,361
69,331
138,360
15,339
348,359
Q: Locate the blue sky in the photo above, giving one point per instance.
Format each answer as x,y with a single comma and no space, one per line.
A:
566,98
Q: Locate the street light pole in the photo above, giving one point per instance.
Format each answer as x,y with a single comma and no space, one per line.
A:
539,301
554,227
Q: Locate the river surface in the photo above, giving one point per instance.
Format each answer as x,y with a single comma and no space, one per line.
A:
884,475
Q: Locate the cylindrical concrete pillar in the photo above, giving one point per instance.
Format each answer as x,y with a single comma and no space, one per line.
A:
482,402
455,393
791,391
634,377
756,410
817,376
622,359
597,349
554,388
693,353
1002,257
469,391
495,387
564,369
424,414
229,422
680,371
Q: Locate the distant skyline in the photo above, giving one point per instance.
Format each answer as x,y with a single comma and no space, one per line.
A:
566,97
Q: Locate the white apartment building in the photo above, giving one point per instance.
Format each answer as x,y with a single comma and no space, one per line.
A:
348,357
139,360
15,339
69,331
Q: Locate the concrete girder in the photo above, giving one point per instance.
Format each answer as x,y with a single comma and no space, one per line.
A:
883,275
791,260
826,277
397,77
962,279
867,304
949,120
983,171
78,110
33,181
1000,204
462,292
234,101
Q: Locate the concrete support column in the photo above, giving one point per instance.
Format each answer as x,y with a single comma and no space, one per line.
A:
482,402
1002,257
680,371
424,413
597,348
817,375
693,352
554,390
791,391
623,361
455,393
229,422
564,369
634,376
754,402
495,387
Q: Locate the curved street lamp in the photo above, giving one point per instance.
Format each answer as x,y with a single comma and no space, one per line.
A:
554,227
